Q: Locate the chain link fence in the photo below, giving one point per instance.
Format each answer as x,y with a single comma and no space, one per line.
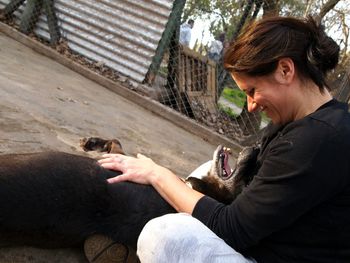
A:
150,48
192,80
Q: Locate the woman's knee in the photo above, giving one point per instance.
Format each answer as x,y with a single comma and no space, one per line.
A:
168,226
180,237
163,236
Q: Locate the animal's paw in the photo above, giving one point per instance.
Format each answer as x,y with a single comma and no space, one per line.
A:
102,249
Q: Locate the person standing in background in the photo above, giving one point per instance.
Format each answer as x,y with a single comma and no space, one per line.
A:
185,32
216,48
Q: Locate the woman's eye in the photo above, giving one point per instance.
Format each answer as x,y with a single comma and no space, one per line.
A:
251,92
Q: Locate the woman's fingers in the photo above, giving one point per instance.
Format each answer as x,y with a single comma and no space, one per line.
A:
117,179
111,158
112,161
138,170
111,166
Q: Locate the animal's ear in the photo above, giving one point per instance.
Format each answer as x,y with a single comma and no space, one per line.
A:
84,144
210,186
196,184
115,147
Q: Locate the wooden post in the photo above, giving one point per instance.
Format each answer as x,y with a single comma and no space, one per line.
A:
52,21
11,7
166,40
30,16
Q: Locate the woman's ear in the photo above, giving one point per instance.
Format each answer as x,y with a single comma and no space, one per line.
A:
285,71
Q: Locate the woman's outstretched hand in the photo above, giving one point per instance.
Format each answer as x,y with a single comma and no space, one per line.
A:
143,170
140,170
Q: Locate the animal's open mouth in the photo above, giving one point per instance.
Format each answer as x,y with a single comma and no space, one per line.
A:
221,162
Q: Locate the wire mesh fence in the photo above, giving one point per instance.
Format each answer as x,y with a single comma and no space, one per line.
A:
192,79
202,89
150,47
29,16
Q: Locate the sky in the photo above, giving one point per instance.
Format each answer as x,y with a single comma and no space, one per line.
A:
201,32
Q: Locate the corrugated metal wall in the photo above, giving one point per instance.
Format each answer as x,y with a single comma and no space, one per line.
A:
122,34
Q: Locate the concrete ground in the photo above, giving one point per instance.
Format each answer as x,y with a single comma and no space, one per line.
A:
45,106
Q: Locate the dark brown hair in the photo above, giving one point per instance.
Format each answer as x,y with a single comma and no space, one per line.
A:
262,43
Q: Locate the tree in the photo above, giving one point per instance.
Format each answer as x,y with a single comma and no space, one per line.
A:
222,13
227,14
233,14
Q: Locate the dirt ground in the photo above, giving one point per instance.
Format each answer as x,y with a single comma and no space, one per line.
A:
45,106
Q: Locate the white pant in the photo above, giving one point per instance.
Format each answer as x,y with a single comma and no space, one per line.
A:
175,238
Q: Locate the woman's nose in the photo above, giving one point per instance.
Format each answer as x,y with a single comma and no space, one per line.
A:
252,105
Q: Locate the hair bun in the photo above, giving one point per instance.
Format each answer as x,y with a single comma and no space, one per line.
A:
323,52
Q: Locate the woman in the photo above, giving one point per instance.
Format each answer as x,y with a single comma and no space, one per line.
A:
297,207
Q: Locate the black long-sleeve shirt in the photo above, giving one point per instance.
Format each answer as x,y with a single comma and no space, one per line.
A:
297,208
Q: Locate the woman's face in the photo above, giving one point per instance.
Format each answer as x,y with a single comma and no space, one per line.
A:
266,94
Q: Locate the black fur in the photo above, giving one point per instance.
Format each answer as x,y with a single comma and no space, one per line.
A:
58,199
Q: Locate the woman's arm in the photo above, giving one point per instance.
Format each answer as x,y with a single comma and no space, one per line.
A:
144,171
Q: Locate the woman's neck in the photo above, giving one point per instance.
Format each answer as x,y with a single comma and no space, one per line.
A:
311,98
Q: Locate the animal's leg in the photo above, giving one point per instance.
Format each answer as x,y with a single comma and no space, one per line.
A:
102,249
99,248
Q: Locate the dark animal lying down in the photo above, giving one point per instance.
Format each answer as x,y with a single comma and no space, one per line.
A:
57,199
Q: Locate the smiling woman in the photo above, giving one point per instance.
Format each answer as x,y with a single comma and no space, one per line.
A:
271,66
296,207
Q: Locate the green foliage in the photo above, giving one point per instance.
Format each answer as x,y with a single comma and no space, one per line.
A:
225,14
235,96
228,111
